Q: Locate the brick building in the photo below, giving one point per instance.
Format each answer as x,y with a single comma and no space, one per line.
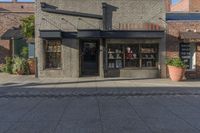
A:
10,15
106,38
183,40
186,6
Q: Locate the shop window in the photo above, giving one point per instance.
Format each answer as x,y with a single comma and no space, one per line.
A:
52,54
115,56
149,55
133,56
188,55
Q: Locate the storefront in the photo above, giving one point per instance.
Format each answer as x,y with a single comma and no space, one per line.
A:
81,42
189,52
107,53
183,40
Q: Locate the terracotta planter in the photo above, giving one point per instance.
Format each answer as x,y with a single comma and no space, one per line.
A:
31,64
176,73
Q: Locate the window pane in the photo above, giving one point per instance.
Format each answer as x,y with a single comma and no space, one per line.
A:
52,53
149,55
115,56
132,58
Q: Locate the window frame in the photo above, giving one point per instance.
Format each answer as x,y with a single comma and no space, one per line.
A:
139,54
45,58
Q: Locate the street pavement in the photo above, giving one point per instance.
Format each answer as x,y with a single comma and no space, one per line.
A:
95,105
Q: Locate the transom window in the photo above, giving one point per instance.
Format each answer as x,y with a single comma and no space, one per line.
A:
132,56
52,53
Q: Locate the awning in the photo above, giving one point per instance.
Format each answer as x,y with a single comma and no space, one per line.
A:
119,34
13,33
100,34
50,34
190,36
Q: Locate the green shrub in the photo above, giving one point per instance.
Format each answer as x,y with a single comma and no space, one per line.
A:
177,62
1,67
24,52
8,65
28,26
20,65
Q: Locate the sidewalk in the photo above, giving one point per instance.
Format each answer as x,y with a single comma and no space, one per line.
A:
23,86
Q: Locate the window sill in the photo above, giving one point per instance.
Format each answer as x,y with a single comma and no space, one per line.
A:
134,68
52,69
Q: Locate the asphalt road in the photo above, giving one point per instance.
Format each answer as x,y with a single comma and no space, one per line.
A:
101,114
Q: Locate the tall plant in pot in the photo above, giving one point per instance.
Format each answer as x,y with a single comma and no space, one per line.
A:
176,68
20,66
28,30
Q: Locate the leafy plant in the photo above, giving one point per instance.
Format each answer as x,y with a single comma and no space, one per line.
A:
8,65
24,52
28,27
1,67
20,66
177,62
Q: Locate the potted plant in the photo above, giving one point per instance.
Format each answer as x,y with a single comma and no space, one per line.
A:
176,68
20,66
28,30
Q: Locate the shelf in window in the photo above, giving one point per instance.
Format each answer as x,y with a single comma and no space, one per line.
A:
115,53
115,59
133,59
149,58
149,52
53,51
149,68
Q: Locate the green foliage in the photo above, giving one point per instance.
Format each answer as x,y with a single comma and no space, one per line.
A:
177,62
8,65
20,66
24,52
28,26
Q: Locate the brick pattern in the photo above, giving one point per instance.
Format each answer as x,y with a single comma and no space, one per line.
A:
195,6
167,5
17,7
183,5
10,17
174,28
187,6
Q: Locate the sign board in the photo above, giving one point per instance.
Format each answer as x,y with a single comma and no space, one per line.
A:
185,54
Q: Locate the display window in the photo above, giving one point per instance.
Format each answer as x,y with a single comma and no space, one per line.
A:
115,56
132,56
52,50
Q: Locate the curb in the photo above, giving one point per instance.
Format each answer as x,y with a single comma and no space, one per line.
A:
91,94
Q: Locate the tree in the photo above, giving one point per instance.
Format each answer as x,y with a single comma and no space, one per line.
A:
28,27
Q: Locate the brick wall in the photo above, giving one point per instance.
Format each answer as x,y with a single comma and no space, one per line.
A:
187,6
167,5
195,6
183,5
174,28
10,15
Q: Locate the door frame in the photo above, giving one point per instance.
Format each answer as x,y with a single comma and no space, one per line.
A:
81,61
